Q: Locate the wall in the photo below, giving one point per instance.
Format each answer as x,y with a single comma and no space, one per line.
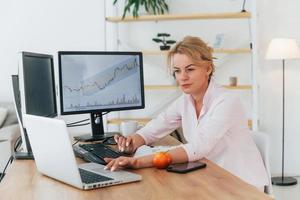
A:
280,19
47,27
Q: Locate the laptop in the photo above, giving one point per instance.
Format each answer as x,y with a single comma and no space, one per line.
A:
54,157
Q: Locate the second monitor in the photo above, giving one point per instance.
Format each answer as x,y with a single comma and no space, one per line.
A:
97,82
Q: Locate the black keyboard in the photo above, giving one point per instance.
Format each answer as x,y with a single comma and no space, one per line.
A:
90,177
100,150
87,156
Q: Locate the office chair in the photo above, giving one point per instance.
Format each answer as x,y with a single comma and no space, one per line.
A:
262,142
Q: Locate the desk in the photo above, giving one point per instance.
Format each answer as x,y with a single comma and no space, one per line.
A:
23,182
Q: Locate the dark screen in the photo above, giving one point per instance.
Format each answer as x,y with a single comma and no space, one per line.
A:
39,85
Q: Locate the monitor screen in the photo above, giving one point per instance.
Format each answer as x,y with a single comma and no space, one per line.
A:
93,82
38,85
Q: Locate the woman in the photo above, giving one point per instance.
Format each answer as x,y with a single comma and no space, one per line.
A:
212,120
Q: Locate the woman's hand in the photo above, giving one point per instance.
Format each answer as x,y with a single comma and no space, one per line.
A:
120,163
130,143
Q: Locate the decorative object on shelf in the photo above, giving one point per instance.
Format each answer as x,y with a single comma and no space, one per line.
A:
282,49
233,81
166,43
218,40
151,6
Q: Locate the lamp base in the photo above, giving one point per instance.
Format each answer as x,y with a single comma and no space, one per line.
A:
283,181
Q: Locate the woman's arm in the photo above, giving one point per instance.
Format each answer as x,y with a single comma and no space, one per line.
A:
130,143
178,156
165,123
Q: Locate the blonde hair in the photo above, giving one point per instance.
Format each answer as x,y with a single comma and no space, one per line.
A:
195,48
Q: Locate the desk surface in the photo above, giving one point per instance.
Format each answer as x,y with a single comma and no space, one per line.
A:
24,182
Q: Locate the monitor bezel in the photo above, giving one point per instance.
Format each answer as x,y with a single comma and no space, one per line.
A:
22,80
61,53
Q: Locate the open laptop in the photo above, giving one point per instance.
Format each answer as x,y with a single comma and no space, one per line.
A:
54,157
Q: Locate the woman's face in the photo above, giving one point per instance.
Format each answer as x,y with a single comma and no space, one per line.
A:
192,78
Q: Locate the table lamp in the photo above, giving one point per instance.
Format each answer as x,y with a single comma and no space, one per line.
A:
283,49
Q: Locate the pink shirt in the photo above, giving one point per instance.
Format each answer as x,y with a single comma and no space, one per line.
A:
220,133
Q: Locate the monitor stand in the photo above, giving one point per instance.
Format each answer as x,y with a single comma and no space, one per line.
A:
25,155
97,130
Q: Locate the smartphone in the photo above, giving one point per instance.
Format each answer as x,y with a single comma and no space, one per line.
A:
183,168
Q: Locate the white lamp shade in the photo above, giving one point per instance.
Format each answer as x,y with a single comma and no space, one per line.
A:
283,48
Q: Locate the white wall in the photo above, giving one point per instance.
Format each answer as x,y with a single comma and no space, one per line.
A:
280,18
47,27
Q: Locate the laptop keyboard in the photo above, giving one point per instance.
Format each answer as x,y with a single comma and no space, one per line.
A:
90,177
100,150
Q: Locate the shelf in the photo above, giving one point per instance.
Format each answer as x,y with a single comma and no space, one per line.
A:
225,15
227,51
161,87
144,121
173,87
238,87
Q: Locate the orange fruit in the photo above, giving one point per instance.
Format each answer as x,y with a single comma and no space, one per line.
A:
161,160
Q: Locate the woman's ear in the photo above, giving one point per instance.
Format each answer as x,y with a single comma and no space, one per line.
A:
209,70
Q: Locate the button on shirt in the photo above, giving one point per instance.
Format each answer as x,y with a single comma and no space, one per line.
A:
220,133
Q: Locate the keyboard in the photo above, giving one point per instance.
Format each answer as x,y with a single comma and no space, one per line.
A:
95,152
90,177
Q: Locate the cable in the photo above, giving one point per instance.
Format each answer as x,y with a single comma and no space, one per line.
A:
11,158
78,125
18,143
106,113
75,142
78,122
84,120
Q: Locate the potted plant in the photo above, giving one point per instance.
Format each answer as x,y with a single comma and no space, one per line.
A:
151,6
165,43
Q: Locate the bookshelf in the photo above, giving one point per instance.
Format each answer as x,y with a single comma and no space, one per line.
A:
174,87
251,17
144,121
219,51
195,16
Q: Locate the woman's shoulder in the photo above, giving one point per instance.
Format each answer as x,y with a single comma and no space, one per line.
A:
220,93
217,90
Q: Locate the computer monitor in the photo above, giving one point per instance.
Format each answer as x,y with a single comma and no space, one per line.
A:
97,82
36,87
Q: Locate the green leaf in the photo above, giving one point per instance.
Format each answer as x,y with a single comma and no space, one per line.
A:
136,8
163,35
157,40
153,6
127,7
165,6
171,41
